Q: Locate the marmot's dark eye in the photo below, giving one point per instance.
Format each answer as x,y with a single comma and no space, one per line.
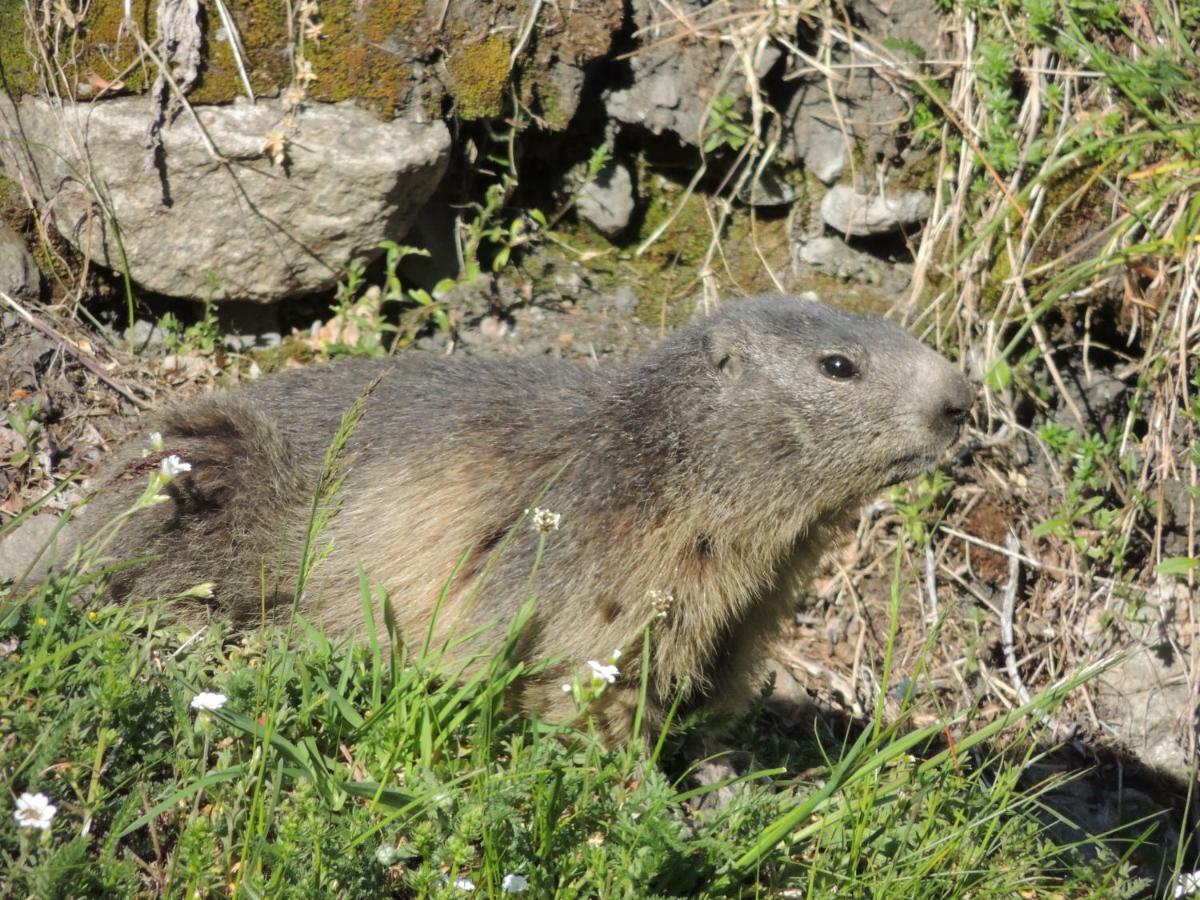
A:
837,366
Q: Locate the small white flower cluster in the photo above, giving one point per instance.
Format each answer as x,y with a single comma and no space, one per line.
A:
386,854
1187,884
35,811
543,521
206,701
601,675
606,673
514,884
661,602
171,466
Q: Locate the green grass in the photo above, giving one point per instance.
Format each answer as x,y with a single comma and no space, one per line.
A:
329,772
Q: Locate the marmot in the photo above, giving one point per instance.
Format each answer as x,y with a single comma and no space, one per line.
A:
714,472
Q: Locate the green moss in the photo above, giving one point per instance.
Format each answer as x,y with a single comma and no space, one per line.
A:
356,60
480,73
993,284
921,174
741,245
361,53
686,238
17,73
548,103
109,52
13,211
665,276
263,30
382,20
849,295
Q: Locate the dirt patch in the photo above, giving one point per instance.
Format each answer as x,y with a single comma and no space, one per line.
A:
60,416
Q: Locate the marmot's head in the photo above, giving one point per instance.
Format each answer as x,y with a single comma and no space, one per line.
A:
848,403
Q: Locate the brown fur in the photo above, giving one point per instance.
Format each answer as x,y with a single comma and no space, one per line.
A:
717,470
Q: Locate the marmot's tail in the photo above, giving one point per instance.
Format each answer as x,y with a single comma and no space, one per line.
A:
224,518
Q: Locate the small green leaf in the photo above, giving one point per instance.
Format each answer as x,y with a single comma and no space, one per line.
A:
999,377
1050,526
1178,565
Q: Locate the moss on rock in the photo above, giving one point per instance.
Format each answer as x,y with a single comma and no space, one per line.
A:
480,73
380,53
17,74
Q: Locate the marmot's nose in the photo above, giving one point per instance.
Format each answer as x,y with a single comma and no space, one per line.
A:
955,412
957,402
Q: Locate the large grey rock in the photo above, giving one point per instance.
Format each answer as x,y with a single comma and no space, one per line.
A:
1146,698
864,98
674,76
230,227
607,202
856,215
19,275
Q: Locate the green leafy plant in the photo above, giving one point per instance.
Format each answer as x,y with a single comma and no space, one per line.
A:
921,505
1087,519
202,336
725,127
22,419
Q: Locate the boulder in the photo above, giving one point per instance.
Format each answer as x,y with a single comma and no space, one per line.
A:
857,215
608,201
675,72
215,217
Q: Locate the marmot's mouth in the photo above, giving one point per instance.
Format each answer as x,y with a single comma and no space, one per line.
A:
910,466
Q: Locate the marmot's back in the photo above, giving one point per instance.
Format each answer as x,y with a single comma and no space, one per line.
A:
715,471
239,516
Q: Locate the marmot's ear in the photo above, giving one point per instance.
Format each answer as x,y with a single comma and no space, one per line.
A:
724,352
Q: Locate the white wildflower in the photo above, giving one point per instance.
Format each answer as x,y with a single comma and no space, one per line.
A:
9,646
386,855
464,884
1187,884
172,466
208,702
35,811
602,672
156,441
544,521
567,688
514,884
